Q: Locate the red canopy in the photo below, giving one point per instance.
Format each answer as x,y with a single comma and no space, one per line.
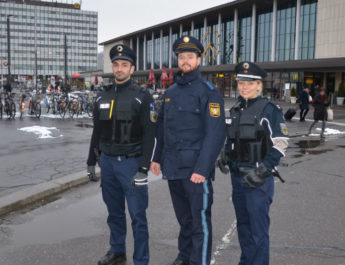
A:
74,75
151,77
171,76
96,80
164,77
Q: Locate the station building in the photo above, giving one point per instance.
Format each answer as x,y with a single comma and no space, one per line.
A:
37,39
298,42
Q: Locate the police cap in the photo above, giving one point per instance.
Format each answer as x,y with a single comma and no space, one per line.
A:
247,71
188,44
122,52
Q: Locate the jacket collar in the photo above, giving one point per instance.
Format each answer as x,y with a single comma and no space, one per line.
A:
187,78
247,103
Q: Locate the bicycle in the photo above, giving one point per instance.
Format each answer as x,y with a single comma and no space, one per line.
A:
9,106
34,105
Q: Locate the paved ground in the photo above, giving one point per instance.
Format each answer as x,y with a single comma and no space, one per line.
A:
307,214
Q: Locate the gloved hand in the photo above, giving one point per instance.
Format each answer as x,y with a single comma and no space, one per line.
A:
140,178
254,177
223,161
91,173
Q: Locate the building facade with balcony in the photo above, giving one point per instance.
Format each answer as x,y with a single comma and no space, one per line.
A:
298,42
37,39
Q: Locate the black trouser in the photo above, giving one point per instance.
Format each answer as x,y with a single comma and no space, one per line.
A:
303,113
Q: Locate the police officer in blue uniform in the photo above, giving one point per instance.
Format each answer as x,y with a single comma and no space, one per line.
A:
257,138
190,135
123,134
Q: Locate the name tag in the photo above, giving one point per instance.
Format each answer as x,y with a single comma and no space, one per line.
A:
104,106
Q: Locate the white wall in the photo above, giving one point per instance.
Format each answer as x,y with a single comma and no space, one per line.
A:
330,35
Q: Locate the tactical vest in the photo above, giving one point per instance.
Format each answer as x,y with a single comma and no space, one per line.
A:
119,115
248,140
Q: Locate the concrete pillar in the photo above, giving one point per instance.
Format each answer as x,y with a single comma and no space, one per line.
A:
170,47
153,50
192,28
138,54
144,52
161,49
274,30
234,53
252,46
217,46
298,16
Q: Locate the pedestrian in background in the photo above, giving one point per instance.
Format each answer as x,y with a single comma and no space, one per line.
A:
257,138
304,99
190,135
320,104
124,132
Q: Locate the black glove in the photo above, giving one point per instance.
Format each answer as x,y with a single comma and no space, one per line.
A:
91,173
223,161
254,177
140,178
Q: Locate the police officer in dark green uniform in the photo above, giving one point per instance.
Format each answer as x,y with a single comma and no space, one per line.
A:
123,134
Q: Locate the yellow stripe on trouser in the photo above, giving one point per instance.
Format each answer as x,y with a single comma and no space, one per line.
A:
111,108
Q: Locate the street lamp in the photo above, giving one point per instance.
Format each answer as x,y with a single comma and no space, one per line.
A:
9,47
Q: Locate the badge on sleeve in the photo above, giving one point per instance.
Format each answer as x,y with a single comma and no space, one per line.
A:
153,113
214,109
284,129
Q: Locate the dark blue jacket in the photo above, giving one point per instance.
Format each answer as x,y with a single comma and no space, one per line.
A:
304,100
191,128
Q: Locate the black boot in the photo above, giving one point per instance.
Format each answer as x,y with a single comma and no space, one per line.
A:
179,262
112,259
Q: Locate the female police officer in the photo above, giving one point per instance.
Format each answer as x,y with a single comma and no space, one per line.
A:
256,140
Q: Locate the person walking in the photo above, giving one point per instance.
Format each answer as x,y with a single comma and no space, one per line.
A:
320,104
190,135
123,134
304,99
257,138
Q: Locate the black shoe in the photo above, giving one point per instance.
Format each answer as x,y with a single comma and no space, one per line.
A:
112,259
179,262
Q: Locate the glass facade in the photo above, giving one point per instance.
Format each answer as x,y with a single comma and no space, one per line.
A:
244,38
165,51
174,37
307,29
47,26
263,35
227,41
149,54
286,25
156,50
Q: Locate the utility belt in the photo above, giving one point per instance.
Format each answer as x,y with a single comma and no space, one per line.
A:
110,148
126,156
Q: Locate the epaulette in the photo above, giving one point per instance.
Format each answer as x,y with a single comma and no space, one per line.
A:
208,84
274,105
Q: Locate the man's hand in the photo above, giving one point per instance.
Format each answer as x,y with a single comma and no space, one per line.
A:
254,177
140,178
155,168
91,173
197,178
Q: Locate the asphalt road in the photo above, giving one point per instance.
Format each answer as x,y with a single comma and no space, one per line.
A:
307,219
307,214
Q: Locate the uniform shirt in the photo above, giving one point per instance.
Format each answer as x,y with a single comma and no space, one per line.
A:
190,128
275,127
147,122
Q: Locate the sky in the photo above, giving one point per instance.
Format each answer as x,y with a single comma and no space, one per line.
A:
117,18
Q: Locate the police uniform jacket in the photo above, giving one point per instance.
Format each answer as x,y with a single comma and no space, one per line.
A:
256,133
190,128
124,123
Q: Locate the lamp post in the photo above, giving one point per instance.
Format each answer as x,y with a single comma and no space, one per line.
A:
9,47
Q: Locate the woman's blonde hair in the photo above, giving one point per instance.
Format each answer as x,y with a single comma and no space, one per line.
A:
260,88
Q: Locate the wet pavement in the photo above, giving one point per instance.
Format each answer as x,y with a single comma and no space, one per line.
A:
307,215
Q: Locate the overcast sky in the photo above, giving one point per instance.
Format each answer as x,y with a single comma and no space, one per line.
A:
116,18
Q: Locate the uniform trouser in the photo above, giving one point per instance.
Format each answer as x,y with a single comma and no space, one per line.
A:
192,204
252,213
116,188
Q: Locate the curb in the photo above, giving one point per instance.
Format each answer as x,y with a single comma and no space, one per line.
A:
25,197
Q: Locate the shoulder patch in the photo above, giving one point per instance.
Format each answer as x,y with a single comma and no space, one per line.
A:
284,129
214,109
